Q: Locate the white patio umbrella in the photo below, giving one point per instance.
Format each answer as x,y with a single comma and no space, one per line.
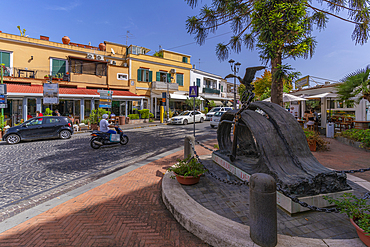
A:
288,98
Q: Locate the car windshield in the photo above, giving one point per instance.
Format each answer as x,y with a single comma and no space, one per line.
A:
215,109
185,113
219,114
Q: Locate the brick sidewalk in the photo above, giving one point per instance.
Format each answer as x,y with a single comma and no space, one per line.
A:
126,211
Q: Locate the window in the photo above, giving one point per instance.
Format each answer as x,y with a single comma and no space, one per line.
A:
180,79
163,76
88,67
5,59
222,89
144,75
101,69
76,66
52,120
58,67
121,76
184,59
198,82
34,122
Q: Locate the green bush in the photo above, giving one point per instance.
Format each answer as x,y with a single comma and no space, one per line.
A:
205,110
144,113
358,135
97,114
48,112
151,115
133,116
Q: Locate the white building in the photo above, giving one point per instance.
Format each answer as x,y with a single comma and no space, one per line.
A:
211,87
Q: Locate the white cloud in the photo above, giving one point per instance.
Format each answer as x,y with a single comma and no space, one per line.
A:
65,7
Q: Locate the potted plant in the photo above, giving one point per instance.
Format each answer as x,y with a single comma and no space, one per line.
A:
315,142
187,171
358,211
46,77
96,116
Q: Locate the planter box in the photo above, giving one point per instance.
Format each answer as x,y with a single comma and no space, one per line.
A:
352,143
136,121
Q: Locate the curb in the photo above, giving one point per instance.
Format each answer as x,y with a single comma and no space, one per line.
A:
352,143
217,230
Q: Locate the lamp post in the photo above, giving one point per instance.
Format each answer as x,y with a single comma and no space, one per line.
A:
234,68
167,97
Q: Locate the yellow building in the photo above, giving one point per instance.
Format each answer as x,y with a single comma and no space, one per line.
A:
80,70
164,72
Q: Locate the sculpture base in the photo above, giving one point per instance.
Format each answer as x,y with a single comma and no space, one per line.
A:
283,202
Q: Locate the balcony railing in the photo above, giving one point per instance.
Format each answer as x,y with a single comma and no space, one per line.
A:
211,90
160,85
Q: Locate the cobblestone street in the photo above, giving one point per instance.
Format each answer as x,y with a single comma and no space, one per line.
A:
34,172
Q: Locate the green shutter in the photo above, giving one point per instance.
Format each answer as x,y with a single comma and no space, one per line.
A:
139,75
58,66
150,76
222,89
158,76
198,82
168,77
5,58
184,59
180,79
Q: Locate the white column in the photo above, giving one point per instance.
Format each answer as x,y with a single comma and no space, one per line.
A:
141,104
126,109
324,106
82,109
25,110
155,107
92,104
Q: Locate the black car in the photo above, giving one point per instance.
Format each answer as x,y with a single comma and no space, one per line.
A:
40,128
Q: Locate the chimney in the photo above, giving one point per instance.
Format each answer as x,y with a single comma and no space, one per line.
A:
327,82
42,37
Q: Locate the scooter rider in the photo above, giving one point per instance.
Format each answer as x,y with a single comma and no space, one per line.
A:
104,125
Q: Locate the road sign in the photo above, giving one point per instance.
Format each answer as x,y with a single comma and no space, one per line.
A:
105,98
3,105
304,81
193,91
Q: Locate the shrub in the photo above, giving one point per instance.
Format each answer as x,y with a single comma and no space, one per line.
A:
188,167
144,113
312,136
97,114
134,116
205,110
170,115
48,112
151,115
358,135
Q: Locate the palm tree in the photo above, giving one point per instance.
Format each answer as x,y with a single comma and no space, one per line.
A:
355,85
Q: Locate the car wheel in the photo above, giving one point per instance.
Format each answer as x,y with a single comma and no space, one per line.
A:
124,140
201,120
65,134
93,144
212,126
185,122
13,139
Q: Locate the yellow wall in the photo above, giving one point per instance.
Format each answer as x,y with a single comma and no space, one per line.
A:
174,56
157,64
23,48
112,74
119,50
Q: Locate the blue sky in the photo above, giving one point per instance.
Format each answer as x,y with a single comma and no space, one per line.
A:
162,23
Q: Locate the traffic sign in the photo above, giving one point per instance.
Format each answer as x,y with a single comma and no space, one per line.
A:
193,91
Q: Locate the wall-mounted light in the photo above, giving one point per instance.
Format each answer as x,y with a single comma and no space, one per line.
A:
31,57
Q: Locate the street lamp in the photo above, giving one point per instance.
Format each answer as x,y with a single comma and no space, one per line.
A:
167,97
234,68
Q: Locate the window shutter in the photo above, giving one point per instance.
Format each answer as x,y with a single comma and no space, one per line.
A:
184,59
198,82
139,75
150,76
5,58
179,79
222,89
158,76
168,77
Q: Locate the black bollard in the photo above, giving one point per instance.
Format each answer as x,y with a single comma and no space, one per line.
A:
187,147
262,210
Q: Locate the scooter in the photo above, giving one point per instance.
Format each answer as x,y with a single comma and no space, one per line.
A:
99,138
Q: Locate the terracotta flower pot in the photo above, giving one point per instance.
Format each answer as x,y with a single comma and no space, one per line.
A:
102,46
361,234
66,40
189,180
312,146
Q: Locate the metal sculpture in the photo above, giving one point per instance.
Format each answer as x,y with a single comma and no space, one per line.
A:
269,139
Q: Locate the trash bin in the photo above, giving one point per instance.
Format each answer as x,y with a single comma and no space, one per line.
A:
122,120
330,130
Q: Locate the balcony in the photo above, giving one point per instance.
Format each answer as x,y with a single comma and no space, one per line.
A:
162,86
211,90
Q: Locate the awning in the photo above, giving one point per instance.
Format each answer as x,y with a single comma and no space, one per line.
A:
288,98
215,98
174,96
218,102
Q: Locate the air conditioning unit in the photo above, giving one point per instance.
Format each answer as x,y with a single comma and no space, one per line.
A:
100,57
90,56
112,62
173,71
124,64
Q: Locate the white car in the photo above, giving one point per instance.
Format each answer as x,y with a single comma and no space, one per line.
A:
216,118
216,109
188,117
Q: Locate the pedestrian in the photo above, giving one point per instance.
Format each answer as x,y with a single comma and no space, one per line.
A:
56,112
39,114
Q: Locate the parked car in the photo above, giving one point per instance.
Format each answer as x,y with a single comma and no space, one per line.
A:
40,128
216,109
216,118
188,117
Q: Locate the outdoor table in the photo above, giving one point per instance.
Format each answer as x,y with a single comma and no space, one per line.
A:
363,125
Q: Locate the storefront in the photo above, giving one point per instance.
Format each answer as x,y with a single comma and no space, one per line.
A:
25,100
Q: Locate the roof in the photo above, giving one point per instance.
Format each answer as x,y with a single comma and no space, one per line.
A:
14,89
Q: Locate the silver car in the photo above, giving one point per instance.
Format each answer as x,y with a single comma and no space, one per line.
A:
216,109
216,118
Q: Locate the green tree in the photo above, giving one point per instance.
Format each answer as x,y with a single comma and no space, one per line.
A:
354,85
190,102
279,29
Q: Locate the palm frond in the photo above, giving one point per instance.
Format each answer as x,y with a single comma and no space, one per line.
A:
222,52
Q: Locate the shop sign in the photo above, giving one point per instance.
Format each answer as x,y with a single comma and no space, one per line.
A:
304,81
105,98
51,93
3,96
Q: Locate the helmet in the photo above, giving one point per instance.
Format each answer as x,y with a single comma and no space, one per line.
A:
105,116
